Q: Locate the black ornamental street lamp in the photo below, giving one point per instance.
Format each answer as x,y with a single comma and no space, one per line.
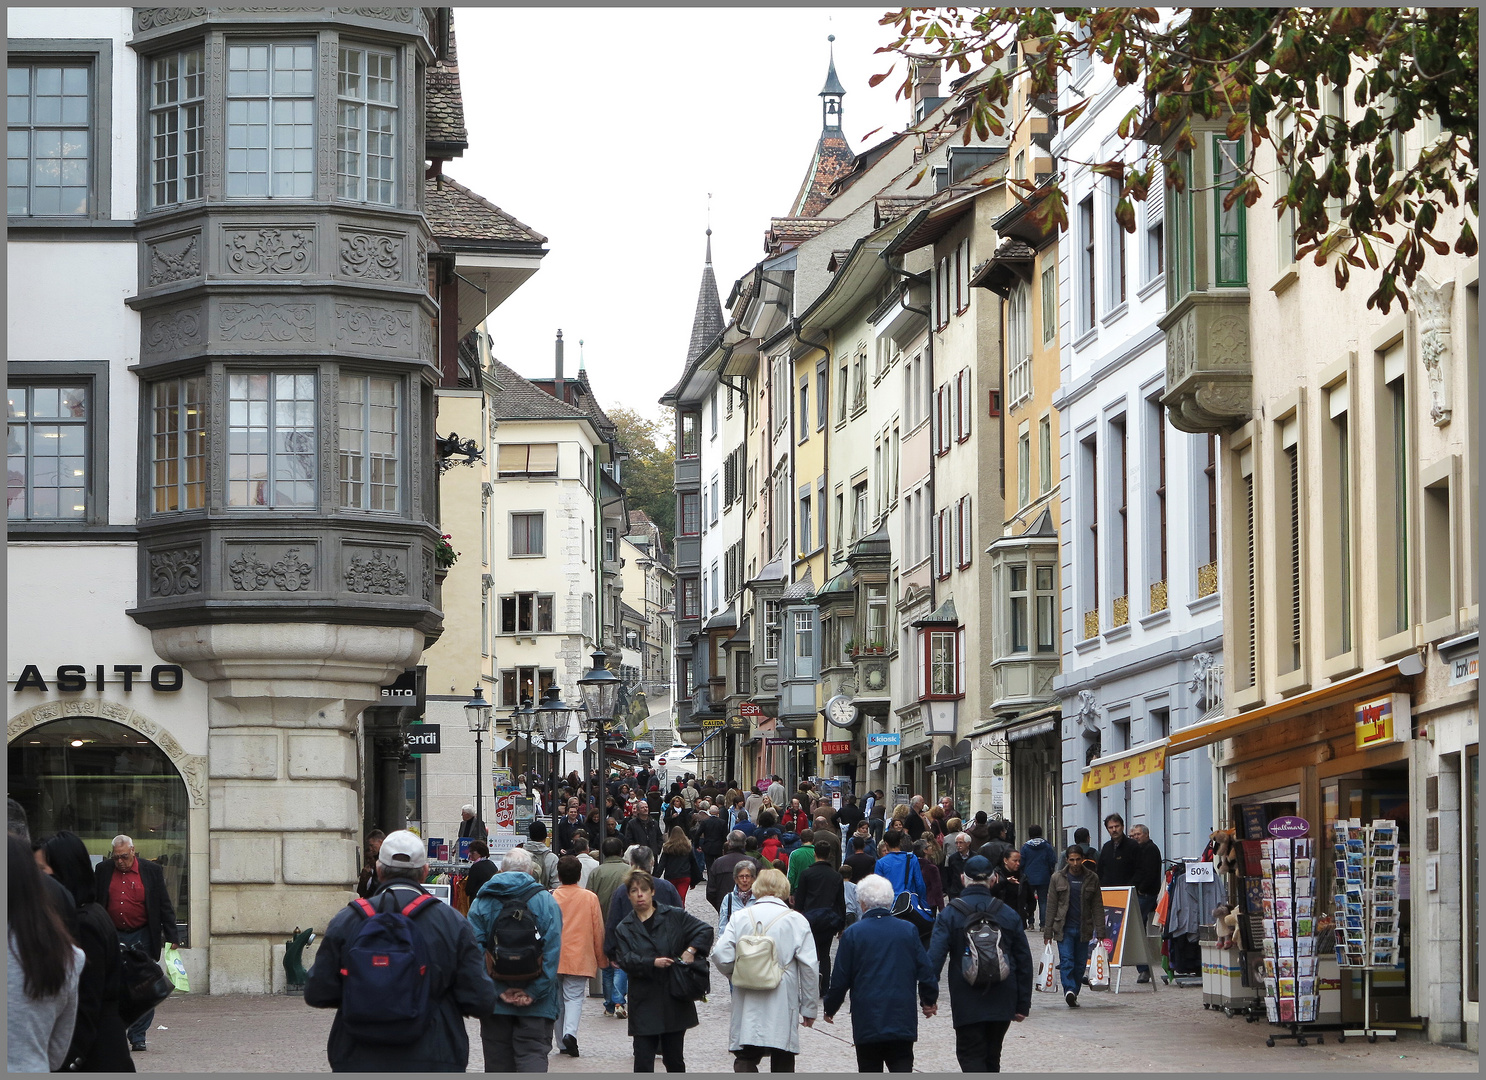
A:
521,722
554,717
600,691
477,715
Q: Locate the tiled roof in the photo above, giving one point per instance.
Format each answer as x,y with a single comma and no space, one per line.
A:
577,392
443,104
891,207
639,517
456,213
1012,248
832,160
837,260
518,398
785,233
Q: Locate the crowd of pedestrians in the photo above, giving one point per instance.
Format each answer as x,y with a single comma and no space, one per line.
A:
818,901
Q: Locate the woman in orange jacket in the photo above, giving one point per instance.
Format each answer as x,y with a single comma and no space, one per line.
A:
582,946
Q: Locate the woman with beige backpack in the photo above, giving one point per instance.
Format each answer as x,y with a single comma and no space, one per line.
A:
768,952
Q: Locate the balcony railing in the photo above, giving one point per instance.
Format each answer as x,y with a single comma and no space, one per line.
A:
1091,624
1207,579
1158,596
1121,610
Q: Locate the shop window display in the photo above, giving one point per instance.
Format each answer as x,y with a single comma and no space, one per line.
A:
98,779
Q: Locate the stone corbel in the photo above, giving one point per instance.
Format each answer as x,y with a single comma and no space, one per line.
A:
1433,305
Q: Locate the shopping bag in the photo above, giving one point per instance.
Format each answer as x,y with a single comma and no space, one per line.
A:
171,961
1098,967
1047,970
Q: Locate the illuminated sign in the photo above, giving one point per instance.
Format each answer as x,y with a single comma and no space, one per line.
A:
1381,721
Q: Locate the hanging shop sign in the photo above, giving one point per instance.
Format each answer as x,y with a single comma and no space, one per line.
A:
425,738
713,721
750,710
835,748
1381,721
884,738
790,742
73,678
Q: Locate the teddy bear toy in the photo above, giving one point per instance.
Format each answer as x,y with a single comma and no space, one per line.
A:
1225,851
1225,925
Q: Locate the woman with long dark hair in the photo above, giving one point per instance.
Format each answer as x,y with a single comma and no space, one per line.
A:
678,862
100,1041
41,978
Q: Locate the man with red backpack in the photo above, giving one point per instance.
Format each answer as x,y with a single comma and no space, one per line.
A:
520,926
401,969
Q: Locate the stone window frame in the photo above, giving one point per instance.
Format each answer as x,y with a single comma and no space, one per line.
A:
95,374
98,54
1339,577
1393,641
1288,585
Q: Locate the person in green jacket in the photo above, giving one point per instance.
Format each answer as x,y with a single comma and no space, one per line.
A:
801,859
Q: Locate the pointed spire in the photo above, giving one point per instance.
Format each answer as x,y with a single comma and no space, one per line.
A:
707,322
833,85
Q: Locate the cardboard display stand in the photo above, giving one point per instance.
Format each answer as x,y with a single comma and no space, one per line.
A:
1124,932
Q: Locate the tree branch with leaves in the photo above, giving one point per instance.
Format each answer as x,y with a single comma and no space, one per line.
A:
1271,75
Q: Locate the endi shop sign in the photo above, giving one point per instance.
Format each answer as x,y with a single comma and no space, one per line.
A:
71,678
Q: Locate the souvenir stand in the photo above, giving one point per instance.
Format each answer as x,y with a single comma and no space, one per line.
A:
1287,899
1366,908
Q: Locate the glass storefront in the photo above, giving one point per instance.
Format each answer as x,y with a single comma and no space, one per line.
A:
99,779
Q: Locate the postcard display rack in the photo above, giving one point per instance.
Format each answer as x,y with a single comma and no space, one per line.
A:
1366,907
1288,901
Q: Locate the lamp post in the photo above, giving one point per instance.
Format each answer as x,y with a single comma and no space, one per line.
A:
477,715
521,725
600,690
553,719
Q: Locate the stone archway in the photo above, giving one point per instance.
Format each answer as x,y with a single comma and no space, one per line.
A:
192,767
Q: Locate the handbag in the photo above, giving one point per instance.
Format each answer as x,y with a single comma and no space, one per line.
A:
1047,970
142,983
690,981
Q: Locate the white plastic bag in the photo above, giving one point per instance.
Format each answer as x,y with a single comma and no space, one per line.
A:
1047,970
1098,967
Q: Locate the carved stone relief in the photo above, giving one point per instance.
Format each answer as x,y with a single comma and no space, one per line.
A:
426,348
216,72
268,322
402,15
175,259
371,256
268,251
1228,342
150,18
1433,304
377,573
171,330
1178,353
287,573
192,767
428,577
175,572
379,327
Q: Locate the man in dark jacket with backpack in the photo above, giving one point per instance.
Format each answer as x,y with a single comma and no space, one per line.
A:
982,1014
520,926
374,1029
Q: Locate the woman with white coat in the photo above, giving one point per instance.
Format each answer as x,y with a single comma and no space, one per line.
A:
764,1021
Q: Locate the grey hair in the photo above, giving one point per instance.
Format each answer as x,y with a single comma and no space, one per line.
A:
965,837
415,874
467,808
874,891
742,865
517,860
737,841
640,857
122,839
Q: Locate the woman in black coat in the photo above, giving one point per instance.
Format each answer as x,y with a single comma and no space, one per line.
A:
647,942
100,1042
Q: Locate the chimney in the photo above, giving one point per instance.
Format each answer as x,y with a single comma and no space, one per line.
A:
557,381
925,88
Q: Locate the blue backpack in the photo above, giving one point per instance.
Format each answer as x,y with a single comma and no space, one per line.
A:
384,985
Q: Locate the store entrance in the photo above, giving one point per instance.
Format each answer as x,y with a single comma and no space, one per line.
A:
1381,792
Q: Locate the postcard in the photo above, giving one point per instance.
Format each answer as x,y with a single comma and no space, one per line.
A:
1282,848
1304,905
1286,967
1269,930
1272,1009
1282,907
1266,888
1383,958
1305,987
1383,851
1286,946
1305,965
1266,849
1266,867
1269,968
1302,867
1287,987
1306,1008
1305,886
1284,928
1268,907
1268,946
1282,868
1302,927
1287,1010
1305,946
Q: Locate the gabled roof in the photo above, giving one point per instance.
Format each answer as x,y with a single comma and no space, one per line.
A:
443,104
577,392
887,208
455,213
517,398
787,232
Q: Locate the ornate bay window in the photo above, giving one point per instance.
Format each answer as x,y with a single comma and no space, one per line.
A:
287,354
1208,377
1025,632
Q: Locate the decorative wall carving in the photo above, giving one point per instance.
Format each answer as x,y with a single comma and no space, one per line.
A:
216,70
167,331
150,18
371,256
377,574
1433,304
1178,352
428,577
288,573
383,328
176,259
268,251
1228,342
268,322
402,15
427,350
175,572
192,767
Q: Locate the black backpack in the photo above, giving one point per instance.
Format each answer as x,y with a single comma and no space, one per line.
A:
984,963
385,981
514,952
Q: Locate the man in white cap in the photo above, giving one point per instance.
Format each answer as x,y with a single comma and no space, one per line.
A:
348,978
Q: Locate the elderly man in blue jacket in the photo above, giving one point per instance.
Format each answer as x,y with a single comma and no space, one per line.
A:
981,1015
517,1036
880,960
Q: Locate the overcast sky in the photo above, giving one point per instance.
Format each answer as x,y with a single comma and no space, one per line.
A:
604,130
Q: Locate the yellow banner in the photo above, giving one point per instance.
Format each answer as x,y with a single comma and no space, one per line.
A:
1127,768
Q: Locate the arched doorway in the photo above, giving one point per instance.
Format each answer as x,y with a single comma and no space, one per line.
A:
98,778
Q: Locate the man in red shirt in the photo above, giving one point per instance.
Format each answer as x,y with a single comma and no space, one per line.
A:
138,902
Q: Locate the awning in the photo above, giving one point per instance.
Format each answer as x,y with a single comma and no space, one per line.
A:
948,760
1151,757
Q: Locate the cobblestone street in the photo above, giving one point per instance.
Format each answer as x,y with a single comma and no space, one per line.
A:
1123,1032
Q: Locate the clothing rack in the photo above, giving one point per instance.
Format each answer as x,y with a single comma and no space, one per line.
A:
451,874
